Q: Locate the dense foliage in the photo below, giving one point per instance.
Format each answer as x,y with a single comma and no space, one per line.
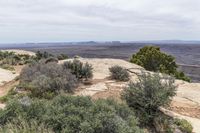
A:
152,59
68,114
148,94
119,73
47,79
81,70
19,125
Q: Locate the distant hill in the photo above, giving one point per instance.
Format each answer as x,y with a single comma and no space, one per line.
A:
56,44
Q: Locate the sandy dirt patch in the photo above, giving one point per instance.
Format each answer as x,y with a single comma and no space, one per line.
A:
6,76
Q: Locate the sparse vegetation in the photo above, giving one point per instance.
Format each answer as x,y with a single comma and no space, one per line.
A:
119,73
10,59
152,59
148,94
68,114
81,70
45,55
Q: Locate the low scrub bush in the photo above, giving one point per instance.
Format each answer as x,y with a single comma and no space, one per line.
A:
12,59
71,114
119,73
10,95
148,94
183,125
62,57
45,55
23,126
47,79
81,70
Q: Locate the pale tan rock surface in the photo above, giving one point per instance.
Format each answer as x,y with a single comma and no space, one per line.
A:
6,76
20,52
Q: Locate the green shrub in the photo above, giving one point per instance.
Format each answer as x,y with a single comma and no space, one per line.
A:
23,126
82,71
148,94
183,125
119,73
152,59
72,115
182,76
47,79
8,96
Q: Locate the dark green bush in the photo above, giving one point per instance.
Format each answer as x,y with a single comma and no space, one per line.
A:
47,79
148,94
184,125
43,55
119,73
182,76
62,57
51,59
82,71
152,59
72,115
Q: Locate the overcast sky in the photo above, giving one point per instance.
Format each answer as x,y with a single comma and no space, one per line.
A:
98,20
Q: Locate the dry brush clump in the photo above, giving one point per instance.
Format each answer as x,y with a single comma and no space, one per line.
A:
119,73
47,79
10,59
81,70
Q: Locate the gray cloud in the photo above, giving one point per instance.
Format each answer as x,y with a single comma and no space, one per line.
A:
75,20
